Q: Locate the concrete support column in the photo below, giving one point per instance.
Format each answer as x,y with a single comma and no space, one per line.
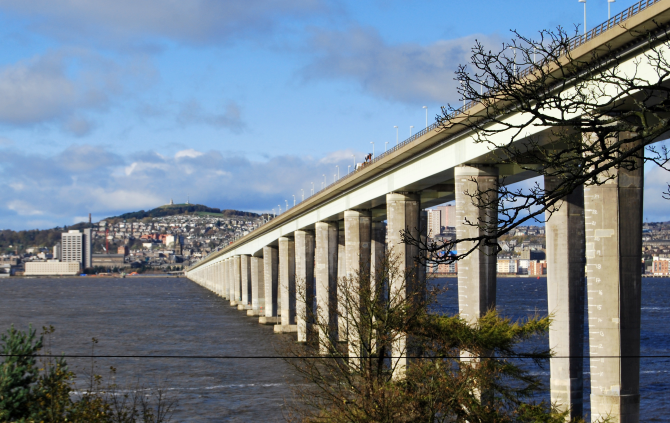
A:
377,248
237,280
477,271
231,283
224,280
357,238
245,279
304,276
287,284
402,213
613,217
271,279
326,282
257,288
565,297
341,273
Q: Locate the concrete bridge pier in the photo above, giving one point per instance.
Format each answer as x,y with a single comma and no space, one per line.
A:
357,238
613,215
287,287
237,281
223,292
257,288
327,234
477,271
231,278
377,248
402,213
270,278
245,273
304,277
341,273
566,286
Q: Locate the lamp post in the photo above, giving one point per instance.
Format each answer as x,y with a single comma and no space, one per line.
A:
609,10
373,149
338,171
410,131
286,201
303,194
386,146
274,214
324,181
312,188
396,135
584,1
348,169
293,200
354,157
426,107
279,209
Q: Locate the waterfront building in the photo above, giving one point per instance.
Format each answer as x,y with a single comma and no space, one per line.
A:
76,247
52,268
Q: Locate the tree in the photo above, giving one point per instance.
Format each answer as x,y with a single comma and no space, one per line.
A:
579,121
437,385
44,393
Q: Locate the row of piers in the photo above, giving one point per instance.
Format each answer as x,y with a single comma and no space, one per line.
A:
593,254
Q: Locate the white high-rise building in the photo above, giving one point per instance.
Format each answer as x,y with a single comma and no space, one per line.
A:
76,247
434,222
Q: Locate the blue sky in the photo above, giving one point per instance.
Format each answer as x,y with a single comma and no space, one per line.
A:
116,106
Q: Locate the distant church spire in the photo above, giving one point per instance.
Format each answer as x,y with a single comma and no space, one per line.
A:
171,202
187,199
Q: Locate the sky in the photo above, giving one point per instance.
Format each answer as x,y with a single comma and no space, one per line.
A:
115,106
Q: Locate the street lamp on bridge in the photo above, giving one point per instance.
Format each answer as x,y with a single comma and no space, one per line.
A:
584,1
338,171
609,10
410,130
373,149
396,134
293,200
303,194
426,107
386,146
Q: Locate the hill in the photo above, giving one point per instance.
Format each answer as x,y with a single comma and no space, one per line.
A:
176,209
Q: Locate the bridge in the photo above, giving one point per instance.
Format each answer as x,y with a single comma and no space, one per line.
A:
593,242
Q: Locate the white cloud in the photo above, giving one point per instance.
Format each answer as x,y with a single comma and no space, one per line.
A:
84,179
403,72
62,86
132,21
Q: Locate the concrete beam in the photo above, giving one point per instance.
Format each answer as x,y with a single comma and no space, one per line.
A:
565,297
245,272
287,284
477,271
271,279
613,215
257,288
304,276
237,280
357,238
402,214
326,282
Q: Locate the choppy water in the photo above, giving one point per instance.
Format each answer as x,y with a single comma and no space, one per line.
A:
173,316
524,297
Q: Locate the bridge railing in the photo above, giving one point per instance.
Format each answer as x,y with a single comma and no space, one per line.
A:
572,44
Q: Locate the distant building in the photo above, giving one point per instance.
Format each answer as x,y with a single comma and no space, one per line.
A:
508,266
123,250
52,268
447,215
537,268
434,222
56,251
660,266
109,260
76,247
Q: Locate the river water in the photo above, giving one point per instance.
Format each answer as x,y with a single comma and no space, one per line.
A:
173,316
